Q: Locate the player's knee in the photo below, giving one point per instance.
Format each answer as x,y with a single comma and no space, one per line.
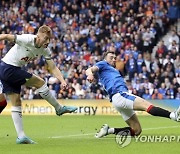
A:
36,81
40,83
137,131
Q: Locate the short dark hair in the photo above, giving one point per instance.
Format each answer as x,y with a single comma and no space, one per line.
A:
106,53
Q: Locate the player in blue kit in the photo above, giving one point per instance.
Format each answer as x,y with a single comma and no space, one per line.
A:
123,101
28,47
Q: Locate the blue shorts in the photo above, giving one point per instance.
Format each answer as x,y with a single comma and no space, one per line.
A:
12,78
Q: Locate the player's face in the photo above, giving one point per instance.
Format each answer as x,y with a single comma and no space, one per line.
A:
42,40
111,59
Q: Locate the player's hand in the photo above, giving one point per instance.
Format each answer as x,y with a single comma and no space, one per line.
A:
64,85
90,78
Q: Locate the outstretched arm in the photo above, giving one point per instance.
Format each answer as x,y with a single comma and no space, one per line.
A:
56,72
90,73
8,37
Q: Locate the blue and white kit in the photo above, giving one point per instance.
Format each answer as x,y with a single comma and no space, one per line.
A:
115,86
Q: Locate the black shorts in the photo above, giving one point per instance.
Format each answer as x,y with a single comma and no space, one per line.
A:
12,78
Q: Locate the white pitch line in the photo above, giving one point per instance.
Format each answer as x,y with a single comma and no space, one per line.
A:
75,135
89,134
155,128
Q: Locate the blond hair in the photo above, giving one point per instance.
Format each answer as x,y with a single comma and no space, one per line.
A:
45,29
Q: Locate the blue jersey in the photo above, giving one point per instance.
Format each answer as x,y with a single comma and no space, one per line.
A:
111,78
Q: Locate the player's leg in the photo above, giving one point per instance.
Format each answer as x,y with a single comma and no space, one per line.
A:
129,116
16,112
144,105
45,93
134,128
3,102
12,78
125,103
43,90
134,124
131,119
129,101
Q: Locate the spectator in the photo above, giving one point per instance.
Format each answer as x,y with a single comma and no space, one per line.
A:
131,66
177,64
80,91
140,63
32,8
146,95
173,46
173,37
99,95
173,12
162,90
157,95
170,92
83,31
146,84
178,94
162,49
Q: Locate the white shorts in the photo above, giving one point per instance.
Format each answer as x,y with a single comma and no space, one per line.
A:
124,104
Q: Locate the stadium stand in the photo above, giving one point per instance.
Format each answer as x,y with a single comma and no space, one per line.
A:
84,29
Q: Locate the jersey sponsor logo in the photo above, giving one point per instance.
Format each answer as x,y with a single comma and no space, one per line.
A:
28,59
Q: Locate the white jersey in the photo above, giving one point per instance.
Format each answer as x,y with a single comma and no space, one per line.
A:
24,51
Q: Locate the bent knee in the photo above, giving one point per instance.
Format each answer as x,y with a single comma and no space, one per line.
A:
41,83
137,131
35,81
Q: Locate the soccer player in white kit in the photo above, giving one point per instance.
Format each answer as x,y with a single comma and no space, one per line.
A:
27,48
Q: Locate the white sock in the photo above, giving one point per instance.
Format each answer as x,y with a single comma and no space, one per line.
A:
17,119
46,94
172,116
111,131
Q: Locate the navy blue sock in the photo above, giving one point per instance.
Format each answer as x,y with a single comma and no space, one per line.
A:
125,129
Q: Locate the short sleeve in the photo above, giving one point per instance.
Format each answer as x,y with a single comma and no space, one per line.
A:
22,39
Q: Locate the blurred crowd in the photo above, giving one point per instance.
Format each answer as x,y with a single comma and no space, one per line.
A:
84,29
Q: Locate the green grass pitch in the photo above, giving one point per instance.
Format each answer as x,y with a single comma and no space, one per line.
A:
75,135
